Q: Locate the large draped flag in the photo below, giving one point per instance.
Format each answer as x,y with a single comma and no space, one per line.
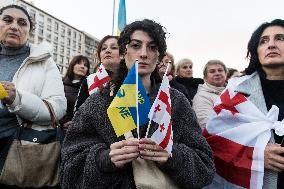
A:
121,16
161,113
122,110
98,79
238,132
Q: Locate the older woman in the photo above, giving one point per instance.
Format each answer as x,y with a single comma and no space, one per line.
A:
94,157
184,76
108,54
77,71
168,61
28,74
215,79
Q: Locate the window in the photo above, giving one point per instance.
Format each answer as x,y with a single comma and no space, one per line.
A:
61,59
39,39
40,31
41,20
67,60
63,31
69,32
68,42
55,57
61,49
24,6
55,39
48,36
74,44
68,52
75,34
56,26
48,26
55,48
33,14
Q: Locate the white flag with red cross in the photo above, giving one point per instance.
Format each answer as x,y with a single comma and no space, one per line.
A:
238,132
161,113
97,80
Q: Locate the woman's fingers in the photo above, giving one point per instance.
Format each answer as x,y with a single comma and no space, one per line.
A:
121,144
148,144
11,90
124,157
273,158
123,152
149,150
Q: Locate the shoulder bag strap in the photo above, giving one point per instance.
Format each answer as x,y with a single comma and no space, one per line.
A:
54,120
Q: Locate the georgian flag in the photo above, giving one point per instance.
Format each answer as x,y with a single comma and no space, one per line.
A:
238,133
160,113
97,80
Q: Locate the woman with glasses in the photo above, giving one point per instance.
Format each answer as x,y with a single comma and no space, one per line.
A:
168,61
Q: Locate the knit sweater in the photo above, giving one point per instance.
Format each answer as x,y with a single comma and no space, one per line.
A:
85,153
10,61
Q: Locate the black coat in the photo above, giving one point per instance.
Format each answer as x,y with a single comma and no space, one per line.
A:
71,92
85,152
191,84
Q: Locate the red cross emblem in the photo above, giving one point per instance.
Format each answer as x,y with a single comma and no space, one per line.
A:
100,69
157,108
162,127
229,103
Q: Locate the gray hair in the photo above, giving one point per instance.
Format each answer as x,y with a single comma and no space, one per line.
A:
213,62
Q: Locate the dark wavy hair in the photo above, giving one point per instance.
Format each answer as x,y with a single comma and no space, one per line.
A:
155,31
32,25
76,60
254,64
99,49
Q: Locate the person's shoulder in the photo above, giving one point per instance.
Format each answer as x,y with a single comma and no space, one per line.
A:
177,96
43,48
198,80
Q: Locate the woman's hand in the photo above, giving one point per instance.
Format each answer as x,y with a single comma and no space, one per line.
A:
11,90
273,158
66,125
149,150
123,152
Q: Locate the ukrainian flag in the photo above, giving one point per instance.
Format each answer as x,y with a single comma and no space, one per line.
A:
121,17
122,110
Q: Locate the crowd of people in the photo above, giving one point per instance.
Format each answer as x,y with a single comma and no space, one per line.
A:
92,156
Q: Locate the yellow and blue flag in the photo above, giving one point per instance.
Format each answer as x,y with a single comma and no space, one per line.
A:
121,17
3,92
122,110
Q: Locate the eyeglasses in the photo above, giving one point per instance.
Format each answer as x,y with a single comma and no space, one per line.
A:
165,62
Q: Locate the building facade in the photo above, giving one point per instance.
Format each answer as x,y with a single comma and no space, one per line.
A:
67,41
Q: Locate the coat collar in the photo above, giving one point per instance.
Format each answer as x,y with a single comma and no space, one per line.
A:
251,87
41,50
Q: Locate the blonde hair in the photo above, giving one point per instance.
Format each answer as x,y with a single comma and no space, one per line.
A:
180,63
